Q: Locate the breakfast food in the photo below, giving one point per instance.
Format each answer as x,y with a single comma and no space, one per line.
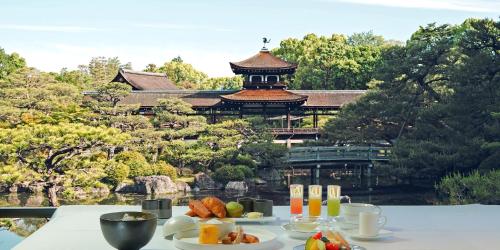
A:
209,234
234,209
255,215
215,205
130,217
329,241
212,206
199,209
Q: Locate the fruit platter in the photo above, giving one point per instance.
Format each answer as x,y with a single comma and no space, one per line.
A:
330,240
213,207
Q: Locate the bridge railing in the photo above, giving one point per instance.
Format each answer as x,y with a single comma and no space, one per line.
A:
290,131
337,153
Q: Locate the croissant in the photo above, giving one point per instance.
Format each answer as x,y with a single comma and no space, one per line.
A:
215,205
200,210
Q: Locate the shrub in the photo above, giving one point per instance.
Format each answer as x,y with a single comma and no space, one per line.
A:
229,173
248,172
472,188
117,173
163,168
136,162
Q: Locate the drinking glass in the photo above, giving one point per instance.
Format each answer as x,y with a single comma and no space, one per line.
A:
314,200
333,200
296,199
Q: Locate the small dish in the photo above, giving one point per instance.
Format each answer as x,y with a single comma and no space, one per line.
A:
297,234
354,234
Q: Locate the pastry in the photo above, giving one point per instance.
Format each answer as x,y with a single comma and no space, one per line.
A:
199,209
215,205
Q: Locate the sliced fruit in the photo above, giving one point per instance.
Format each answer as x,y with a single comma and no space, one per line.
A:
310,241
321,245
209,234
331,246
317,236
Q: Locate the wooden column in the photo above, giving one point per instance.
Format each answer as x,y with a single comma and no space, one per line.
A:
241,112
315,119
288,120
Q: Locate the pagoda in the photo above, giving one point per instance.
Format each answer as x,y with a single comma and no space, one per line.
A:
263,91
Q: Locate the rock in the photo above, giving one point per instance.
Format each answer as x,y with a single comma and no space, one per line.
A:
236,186
204,181
155,184
182,186
259,181
4,188
34,200
13,189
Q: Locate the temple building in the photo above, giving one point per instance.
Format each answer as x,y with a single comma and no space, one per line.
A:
264,93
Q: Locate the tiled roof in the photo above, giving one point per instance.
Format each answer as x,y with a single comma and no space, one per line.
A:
329,98
205,98
144,80
264,95
262,61
197,98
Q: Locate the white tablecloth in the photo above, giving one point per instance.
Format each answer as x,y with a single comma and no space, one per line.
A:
415,227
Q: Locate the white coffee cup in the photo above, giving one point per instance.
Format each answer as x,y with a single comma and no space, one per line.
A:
370,223
351,211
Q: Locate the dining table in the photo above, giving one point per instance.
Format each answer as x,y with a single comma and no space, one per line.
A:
439,227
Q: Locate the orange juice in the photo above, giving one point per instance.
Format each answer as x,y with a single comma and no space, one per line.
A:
315,200
296,205
315,207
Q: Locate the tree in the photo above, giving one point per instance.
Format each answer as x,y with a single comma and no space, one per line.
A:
335,62
183,74
103,70
10,63
46,148
436,104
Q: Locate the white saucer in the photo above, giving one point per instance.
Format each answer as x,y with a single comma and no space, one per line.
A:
354,234
297,234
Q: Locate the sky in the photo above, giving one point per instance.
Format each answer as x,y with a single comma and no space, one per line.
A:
53,34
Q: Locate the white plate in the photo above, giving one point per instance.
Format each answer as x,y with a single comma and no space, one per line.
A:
297,234
267,219
354,234
267,241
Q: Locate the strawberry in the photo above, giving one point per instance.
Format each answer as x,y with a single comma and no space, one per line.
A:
331,246
317,236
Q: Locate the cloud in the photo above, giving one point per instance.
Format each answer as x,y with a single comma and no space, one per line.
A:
171,26
47,28
490,6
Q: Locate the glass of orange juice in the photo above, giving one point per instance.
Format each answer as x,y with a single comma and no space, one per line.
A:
296,199
314,200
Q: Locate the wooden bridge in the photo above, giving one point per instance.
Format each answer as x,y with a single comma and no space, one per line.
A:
340,154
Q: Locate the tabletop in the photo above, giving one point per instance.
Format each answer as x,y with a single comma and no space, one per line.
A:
415,228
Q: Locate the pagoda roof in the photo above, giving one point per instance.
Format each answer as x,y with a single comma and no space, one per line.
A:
144,80
263,62
264,95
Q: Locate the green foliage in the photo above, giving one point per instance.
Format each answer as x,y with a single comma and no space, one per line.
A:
103,70
117,172
112,92
10,63
229,173
436,102
136,162
222,83
182,74
335,62
472,188
163,168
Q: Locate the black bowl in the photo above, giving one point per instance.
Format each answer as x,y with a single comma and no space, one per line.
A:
128,234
